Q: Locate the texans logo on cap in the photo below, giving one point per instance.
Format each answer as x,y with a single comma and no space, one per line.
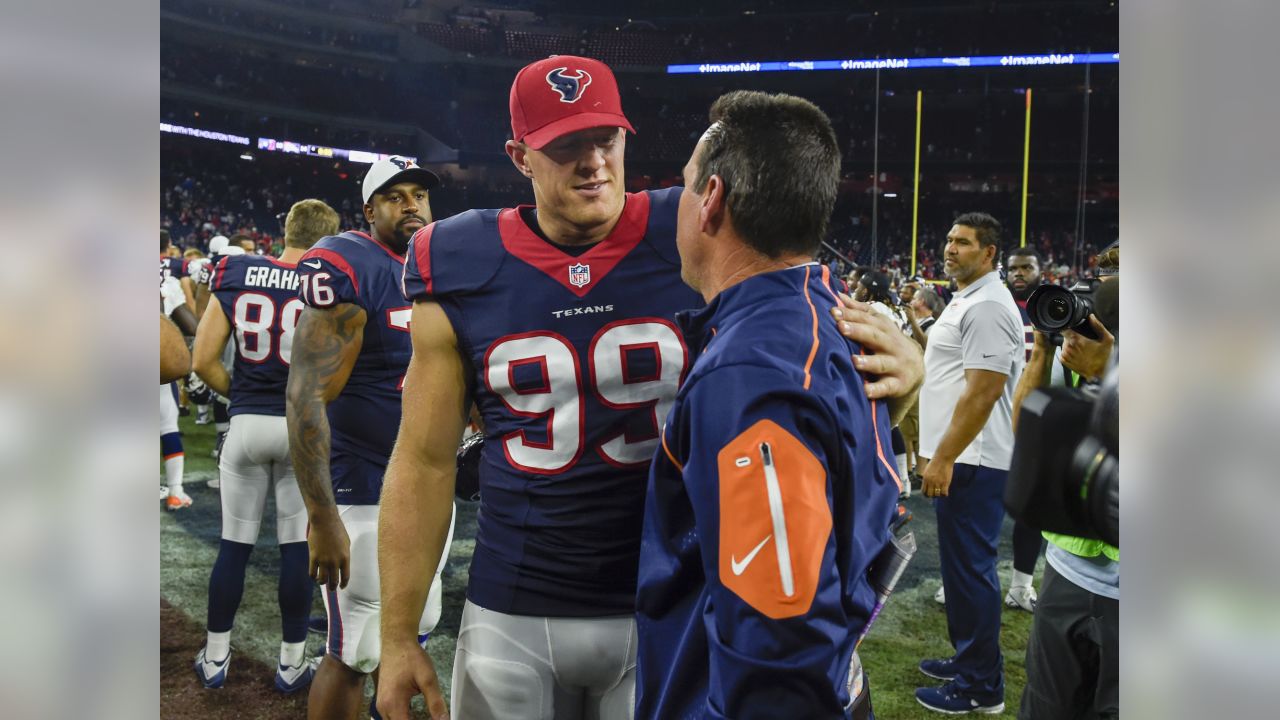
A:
569,87
402,163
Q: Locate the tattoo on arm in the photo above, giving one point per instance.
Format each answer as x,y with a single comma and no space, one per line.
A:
325,346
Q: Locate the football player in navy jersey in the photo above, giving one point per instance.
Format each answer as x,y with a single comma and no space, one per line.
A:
1023,279
350,352
556,320
175,267
257,301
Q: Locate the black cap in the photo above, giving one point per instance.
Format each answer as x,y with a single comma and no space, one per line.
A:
876,283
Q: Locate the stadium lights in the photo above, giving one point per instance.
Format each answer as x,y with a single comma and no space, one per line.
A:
891,195
246,156
901,63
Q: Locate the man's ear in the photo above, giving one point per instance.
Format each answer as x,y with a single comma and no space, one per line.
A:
715,205
519,155
368,212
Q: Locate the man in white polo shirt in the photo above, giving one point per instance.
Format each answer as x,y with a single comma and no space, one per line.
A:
972,363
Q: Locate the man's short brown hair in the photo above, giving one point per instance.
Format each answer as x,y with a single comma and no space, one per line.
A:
779,158
986,227
308,221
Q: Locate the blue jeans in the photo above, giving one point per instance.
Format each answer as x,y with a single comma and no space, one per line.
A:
969,520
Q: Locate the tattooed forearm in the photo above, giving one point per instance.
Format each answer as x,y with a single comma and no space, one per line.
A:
325,346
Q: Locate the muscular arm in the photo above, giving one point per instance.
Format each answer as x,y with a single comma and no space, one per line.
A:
1035,375
188,289
175,359
174,304
981,390
184,319
417,500
202,295
326,344
211,338
417,492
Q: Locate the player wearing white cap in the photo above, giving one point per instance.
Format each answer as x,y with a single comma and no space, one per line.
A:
350,352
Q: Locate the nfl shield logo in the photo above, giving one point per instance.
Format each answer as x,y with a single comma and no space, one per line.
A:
579,275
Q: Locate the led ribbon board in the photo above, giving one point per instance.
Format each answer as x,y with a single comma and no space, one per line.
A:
323,151
900,63
282,146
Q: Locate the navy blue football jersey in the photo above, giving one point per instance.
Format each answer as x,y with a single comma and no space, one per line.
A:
259,296
172,267
365,417
1028,330
573,361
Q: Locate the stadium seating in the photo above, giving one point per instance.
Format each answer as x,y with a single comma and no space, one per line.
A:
971,145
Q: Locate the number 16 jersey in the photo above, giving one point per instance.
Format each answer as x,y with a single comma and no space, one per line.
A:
573,361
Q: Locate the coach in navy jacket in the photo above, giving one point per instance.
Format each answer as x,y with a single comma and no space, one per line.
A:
771,492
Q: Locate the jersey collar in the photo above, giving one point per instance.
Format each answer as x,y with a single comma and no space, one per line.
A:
699,326
385,249
578,274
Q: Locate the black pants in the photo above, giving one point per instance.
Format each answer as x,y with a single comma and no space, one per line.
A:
1027,543
1073,656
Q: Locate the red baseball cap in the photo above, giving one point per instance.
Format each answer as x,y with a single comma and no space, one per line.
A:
563,94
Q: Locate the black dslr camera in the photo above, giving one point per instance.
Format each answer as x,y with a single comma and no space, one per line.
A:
1053,308
1065,476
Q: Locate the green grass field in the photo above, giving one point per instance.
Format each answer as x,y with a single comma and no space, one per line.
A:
911,627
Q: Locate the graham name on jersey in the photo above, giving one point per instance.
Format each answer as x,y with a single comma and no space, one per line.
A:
585,310
271,277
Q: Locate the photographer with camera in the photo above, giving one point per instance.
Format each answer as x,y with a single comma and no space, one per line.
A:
1064,478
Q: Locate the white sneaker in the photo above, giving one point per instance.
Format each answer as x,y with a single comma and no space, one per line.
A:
215,483
212,674
291,679
940,597
164,492
177,500
1022,598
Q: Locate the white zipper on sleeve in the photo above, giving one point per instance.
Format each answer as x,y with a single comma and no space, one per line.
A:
779,520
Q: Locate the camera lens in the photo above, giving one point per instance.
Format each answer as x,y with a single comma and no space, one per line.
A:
1054,309
1057,310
